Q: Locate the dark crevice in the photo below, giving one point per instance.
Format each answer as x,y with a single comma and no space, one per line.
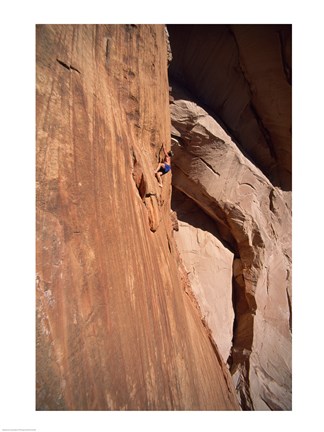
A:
63,64
286,67
107,52
274,172
246,401
169,246
242,335
139,177
290,311
69,67
264,131
75,69
209,166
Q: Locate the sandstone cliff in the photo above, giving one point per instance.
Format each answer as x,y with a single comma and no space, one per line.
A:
234,221
253,219
117,327
138,309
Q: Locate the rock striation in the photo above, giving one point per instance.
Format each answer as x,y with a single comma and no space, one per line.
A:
117,328
252,218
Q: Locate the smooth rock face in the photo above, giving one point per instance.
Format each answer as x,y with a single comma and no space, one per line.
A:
209,265
254,218
242,75
116,328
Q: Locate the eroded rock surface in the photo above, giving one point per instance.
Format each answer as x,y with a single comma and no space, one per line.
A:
209,265
115,327
254,218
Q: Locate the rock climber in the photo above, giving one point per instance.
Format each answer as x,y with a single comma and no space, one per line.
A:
163,167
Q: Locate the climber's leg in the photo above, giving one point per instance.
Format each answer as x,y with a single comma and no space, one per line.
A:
158,175
161,165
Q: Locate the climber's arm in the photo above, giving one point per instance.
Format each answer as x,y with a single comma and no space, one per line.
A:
164,149
158,167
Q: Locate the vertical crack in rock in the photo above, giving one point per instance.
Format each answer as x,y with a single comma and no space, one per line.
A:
285,41
107,52
149,198
138,177
290,306
266,134
245,270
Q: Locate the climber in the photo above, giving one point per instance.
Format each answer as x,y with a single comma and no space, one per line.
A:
163,167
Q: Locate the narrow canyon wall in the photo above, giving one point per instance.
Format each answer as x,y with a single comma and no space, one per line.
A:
116,328
253,220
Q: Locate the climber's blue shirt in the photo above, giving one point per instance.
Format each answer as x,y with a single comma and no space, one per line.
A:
166,168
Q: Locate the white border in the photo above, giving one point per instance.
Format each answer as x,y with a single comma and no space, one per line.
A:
18,221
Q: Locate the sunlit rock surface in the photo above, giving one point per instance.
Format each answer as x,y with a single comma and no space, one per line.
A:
116,328
254,219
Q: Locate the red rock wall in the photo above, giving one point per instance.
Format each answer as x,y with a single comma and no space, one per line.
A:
115,328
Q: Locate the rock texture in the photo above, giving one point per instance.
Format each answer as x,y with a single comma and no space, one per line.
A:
242,75
209,265
254,219
116,325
